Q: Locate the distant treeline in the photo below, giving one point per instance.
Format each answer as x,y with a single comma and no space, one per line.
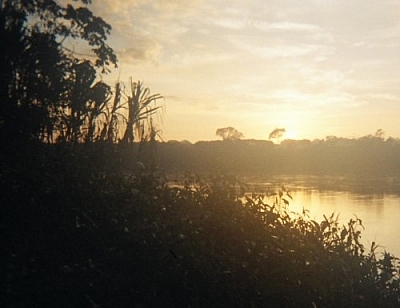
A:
369,156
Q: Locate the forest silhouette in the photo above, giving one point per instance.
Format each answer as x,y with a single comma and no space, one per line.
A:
367,156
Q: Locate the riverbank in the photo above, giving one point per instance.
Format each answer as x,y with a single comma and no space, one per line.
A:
77,237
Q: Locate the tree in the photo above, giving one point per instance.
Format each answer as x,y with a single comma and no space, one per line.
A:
229,133
86,100
380,134
36,65
277,133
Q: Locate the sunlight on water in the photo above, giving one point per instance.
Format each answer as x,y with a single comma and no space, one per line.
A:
378,208
379,214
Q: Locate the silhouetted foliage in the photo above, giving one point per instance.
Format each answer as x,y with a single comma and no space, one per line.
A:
140,110
85,101
89,225
372,157
277,133
76,236
37,68
229,133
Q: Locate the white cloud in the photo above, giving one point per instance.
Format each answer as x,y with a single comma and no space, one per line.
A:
229,23
146,51
285,26
380,97
287,50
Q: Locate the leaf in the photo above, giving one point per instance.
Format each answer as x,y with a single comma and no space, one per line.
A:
324,225
343,234
316,224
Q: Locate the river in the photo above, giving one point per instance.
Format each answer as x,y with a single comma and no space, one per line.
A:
375,201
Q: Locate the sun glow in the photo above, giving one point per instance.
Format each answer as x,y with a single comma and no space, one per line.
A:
289,134
295,123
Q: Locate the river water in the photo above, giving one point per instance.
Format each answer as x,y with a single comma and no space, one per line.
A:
375,201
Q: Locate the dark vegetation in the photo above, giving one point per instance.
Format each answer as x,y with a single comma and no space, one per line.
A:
87,220
229,133
368,156
75,235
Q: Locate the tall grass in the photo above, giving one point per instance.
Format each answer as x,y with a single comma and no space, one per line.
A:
141,106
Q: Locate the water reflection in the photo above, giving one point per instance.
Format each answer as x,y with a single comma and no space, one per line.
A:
375,201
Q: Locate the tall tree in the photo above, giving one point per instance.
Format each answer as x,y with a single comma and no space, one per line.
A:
229,133
36,65
86,100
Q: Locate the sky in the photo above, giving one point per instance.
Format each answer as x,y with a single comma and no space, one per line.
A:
316,67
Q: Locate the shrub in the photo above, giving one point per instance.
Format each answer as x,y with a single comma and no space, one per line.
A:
83,237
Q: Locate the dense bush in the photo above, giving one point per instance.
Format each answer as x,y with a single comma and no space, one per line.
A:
74,235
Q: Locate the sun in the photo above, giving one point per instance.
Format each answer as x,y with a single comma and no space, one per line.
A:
290,134
295,122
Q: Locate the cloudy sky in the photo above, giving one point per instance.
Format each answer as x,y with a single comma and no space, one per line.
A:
314,67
